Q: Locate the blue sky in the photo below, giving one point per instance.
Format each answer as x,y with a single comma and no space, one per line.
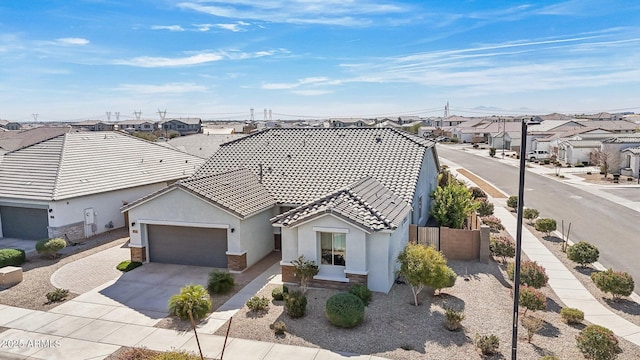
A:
77,59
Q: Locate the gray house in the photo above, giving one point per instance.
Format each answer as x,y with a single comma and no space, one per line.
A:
343,197
183,125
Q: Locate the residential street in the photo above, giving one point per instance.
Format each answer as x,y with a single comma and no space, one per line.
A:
594,219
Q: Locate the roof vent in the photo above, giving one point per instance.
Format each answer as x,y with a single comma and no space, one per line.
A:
378,139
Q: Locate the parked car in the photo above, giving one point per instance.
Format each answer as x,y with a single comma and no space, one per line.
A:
442,139
538,155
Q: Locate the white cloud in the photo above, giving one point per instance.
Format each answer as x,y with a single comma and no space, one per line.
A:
152,62
72,41
169,88
167,27
311,92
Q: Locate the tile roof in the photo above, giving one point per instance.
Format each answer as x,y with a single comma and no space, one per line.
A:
633,150
366,203
623,139
202,145
84,163
14,140
192,121
300,165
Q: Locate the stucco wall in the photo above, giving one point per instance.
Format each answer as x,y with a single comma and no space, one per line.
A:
379,254
427,182
256,236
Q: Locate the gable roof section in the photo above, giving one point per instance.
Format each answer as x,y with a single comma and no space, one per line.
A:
11,140
85,163
300,165
366,203
633,150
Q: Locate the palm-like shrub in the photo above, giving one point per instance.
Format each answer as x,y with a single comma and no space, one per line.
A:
616,283
502,246
531,274
598,343
583,253
344,310
220,282
193,303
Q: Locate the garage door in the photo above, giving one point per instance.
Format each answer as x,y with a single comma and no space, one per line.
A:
187,245
24,223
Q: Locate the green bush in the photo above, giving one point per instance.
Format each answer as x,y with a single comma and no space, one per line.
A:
50,247
295,304
128,265
531,274
176,355
572,315
220,282
488,344
550,357
494,223
12,257
257,303
532,324
502,246
616,283
530,214
477,192
492,151
583,253
279,327
443,277
512,201
532,299
579,164
344,310
453,318
597,343
485,207
57,295
362,292
278,292
546,225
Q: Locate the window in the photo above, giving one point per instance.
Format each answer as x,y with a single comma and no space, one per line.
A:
333,248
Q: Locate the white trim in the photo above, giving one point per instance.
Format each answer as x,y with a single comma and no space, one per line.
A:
135,246
330,230
236,253
285,263
353,224
180,223
356,272
331,278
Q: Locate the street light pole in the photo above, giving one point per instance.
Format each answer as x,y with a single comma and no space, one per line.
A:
516,272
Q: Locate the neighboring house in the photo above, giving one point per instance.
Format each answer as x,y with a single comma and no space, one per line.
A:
613,149
131,126
93,125
341,197
631,162
184,126
577,151
202,145
14,140
427,131
350,122
10,125
73,185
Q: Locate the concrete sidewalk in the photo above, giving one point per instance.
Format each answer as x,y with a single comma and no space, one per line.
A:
566,286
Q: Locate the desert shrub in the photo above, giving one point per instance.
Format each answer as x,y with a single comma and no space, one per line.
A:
304,269
295,304
279,327
532,299
488,344
512,201
616,283
531,274
579,164
546,226
278,292
50,247
220,282
572,315
598,343
453,318
549,357
344,310
57,295
128,265
495,225
12,257
175,355
257,303
362,292
477,192
485,207
530,214
532,324
492,151
583,253
443,277
502,246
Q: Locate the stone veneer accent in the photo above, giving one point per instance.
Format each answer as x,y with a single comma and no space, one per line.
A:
138,254
485,236
288,275
237,262
69,232
357,279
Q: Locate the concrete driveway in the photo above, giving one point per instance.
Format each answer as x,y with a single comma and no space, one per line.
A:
137,297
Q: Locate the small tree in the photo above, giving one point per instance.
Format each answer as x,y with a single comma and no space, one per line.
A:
512,201
492,151
418,265
531,299
617,283
532,324
598,343
530,214
304,269
193,302
485,207
443,277
583,253
531,274
546,226
502,246
452,205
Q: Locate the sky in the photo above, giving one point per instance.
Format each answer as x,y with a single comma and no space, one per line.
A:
72,60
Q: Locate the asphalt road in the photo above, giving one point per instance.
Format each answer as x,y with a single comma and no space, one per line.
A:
611,227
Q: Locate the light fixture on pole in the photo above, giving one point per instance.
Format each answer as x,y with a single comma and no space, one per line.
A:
516,272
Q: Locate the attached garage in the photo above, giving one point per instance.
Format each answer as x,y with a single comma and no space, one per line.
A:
187,245
24,223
